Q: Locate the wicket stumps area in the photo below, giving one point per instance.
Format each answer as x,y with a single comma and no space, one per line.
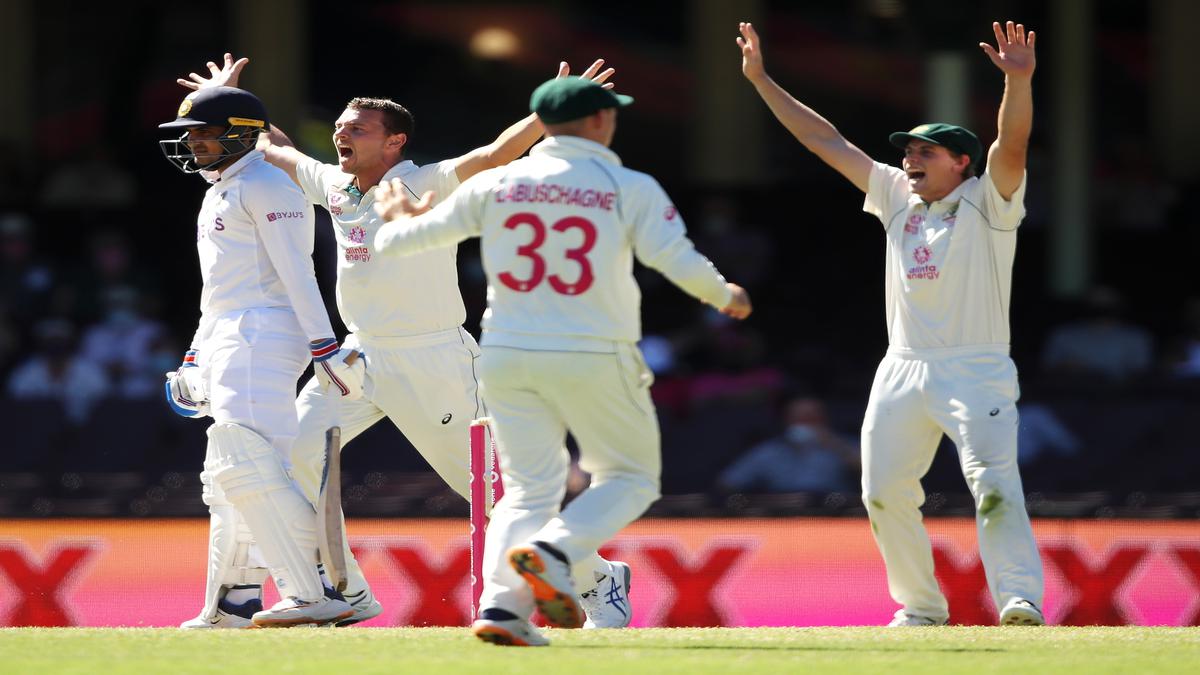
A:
486,489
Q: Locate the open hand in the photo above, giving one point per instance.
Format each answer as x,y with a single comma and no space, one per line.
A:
226,76
1013,53
392,202
593,73
752,60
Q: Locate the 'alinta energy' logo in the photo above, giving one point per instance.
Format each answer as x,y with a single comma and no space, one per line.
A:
922,254
357,235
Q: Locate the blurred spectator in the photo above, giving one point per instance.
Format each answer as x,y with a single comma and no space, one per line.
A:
111,267
55,372
10,341
1132,194
95,181
124,344
741,250
1042,434
1101,344
1184,359
731,363
25,281
807,457
14,175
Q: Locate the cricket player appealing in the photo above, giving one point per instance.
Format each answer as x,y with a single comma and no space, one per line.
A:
951,238
261,321
560,230
405,315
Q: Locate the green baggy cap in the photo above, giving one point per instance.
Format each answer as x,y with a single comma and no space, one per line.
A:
569,98
951,136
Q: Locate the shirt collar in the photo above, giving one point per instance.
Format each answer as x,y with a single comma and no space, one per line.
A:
951,199
398,171
574,146
233,169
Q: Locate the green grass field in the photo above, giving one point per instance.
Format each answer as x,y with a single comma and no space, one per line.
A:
694,651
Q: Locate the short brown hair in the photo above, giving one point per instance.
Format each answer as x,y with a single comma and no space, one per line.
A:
396,118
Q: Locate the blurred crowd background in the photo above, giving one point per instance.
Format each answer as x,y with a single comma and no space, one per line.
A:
100,285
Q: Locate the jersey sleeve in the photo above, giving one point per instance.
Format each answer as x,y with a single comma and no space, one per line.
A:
660,241
1003,214
445,179
887,194
284,222
315,178
450,222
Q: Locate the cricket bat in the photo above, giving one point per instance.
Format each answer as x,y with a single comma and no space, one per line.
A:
331,536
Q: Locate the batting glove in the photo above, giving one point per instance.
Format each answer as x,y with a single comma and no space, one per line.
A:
185,389
343,368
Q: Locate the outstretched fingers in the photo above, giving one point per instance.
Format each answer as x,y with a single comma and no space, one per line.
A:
593,69
1001,38
598,76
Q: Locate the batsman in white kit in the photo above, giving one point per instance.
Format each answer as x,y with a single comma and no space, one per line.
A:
951,238
262,320
405,316
560,230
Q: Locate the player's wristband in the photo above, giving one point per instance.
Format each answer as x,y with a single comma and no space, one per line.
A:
189,358
322,350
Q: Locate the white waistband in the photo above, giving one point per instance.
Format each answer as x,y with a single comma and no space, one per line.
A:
419,340
938,353
550,343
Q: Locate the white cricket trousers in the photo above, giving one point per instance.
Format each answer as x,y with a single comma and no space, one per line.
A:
251,360
535,398
970,394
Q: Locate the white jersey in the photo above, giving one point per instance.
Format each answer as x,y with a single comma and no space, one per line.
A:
255,240
395,298
949,263
559,230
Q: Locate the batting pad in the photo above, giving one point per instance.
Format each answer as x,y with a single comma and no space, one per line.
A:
248,471
229,563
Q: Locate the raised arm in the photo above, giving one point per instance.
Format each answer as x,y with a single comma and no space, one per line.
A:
275,145
1014,56
279,150
515,140
812,130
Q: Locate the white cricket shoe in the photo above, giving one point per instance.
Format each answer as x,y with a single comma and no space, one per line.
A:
223,619
607,605
365,607
1021,612
297,612
550,579
903,618
511,633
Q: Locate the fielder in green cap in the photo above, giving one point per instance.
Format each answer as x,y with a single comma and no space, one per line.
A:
559,231
951,238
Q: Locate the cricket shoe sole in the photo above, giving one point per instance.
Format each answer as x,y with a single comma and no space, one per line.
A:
550,580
